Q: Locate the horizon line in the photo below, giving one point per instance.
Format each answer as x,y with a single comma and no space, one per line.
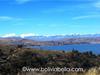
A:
47,35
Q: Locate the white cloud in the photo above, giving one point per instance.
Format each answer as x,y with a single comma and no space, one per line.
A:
5,18
97,4
22,1
86,16
8,18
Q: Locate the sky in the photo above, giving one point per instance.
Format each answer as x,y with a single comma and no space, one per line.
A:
49,17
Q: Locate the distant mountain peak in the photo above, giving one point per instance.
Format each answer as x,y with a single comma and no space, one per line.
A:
33,36
15,35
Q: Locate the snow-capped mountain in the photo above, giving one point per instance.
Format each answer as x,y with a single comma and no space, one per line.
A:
50,40
35,37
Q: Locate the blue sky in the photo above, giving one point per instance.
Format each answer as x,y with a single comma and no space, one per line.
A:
49,17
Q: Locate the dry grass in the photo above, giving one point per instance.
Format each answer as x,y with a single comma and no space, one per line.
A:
93,71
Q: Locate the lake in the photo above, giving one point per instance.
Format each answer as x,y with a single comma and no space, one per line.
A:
95,48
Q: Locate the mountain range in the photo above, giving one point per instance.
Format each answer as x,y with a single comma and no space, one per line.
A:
52,40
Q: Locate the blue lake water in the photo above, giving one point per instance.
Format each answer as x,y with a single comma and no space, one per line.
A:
95,48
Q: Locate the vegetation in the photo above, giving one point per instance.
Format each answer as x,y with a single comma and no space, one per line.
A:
13,58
